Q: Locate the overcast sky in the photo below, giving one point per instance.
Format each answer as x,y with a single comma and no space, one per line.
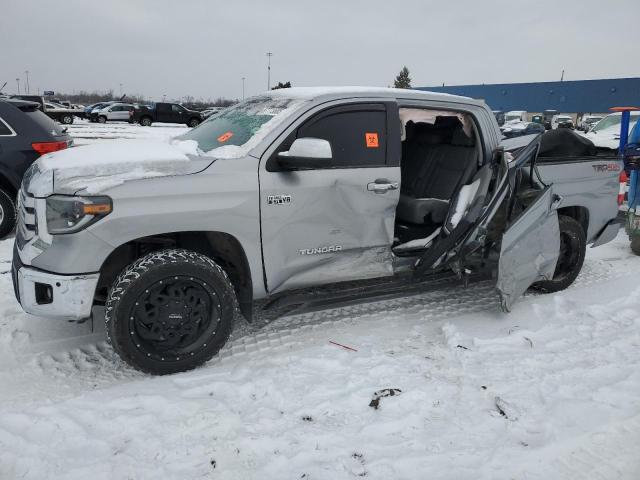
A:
204,47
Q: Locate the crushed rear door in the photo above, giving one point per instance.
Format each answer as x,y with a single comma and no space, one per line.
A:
529,250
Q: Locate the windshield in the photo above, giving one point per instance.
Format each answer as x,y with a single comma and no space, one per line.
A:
242,125
614,120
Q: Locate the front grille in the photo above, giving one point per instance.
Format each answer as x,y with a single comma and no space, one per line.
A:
26,228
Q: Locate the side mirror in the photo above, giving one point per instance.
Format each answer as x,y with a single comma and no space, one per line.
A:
306,153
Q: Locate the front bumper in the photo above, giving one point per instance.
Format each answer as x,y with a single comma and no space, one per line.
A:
63,297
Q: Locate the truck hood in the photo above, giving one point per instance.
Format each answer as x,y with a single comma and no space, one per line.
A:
93,169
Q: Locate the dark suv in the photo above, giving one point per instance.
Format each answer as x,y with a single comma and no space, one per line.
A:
25,134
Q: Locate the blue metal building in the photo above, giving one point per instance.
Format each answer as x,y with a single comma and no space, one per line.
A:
575,96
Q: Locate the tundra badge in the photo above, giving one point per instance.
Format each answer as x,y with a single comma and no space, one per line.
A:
318,250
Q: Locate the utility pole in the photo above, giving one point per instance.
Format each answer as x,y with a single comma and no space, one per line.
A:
26,72
562,76
120,90
18,82
242,88
269,55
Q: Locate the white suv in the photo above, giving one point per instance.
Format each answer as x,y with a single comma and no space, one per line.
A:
115,112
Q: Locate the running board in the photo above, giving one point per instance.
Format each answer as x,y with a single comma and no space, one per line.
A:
324,298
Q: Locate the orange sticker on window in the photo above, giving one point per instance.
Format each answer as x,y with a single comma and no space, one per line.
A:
371,139
225,136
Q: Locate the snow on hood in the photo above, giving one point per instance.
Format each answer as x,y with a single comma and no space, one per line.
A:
96,168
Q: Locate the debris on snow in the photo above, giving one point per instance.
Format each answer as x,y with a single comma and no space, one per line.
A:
386,392
343,346
506,409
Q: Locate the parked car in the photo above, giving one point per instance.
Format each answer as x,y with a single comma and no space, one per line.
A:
511,130
300,199
25,134
606,133
547,117
53,110
588,121
118,112
165,113
95,106
499,117
515,116
562,121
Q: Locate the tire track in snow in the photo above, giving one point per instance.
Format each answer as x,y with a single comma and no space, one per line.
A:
95,365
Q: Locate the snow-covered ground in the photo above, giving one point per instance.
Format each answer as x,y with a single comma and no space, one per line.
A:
549,391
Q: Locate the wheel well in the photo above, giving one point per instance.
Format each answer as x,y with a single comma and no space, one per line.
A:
225,249
580,214
7,186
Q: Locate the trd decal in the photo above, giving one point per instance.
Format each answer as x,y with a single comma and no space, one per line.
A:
606,167
319,250
278,199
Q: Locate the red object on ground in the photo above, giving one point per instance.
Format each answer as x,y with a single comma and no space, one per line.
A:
343,346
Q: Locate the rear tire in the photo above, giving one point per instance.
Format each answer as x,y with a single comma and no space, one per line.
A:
7,213
67,119
573,246
145,121
102,119
635,245
170,311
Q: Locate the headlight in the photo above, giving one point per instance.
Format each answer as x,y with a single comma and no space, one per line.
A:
66,214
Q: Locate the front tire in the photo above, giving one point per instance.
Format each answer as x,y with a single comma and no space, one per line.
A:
573,246
102,119
145,121
194,122
170,311
67,119
7,213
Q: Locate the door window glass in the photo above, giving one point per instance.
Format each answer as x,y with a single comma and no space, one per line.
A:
358,137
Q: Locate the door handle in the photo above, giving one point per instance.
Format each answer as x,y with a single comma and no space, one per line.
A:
382,187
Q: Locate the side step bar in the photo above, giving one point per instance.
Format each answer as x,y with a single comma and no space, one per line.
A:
351,293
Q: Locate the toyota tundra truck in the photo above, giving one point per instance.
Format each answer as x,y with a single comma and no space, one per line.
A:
295,200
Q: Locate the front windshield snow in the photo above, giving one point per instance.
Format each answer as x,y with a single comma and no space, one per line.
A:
236,130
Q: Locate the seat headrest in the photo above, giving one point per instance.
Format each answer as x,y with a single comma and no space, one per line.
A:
447,122
431,137
461,139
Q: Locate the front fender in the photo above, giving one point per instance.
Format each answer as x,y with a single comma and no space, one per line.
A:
223,198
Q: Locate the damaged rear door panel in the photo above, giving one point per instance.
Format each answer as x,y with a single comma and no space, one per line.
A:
529,249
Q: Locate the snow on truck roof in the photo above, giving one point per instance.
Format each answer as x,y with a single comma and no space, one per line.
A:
311,93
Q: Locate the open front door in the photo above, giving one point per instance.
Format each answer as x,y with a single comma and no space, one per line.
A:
530,249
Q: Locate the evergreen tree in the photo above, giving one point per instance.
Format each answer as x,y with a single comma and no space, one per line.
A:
282,85
403,80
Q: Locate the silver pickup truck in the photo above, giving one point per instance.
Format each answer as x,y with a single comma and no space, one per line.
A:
294,200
